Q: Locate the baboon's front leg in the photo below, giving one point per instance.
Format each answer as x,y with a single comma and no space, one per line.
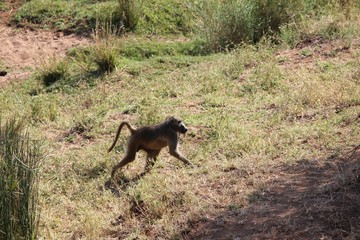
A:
174,152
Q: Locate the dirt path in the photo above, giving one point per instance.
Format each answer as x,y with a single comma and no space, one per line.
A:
307,201
22,50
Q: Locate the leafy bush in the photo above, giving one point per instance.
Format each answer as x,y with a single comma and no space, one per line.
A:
19,162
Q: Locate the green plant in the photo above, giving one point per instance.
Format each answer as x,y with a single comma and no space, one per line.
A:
4,6
19,164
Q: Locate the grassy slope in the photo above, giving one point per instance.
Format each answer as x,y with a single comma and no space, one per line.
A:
250,109
246,110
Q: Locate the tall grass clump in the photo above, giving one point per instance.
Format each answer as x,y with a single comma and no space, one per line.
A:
225,24
52,70
130,12
104,57
19,164
104,52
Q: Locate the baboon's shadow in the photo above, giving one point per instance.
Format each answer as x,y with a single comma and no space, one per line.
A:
121,183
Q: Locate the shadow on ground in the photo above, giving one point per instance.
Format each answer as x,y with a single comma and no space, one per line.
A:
310,200
116,186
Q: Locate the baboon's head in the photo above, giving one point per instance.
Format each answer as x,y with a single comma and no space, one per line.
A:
177,125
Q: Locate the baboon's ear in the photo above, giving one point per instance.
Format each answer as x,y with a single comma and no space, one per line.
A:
170,118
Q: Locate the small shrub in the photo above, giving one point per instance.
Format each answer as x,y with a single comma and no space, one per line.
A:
19,162
106,16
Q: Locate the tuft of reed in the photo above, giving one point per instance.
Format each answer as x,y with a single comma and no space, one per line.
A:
19,163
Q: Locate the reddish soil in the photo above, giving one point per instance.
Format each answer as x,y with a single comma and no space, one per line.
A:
310,200
22,50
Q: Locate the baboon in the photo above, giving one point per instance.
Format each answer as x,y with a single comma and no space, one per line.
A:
151,139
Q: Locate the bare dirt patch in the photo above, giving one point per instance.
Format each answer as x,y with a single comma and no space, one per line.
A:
311,51
311,200
22,50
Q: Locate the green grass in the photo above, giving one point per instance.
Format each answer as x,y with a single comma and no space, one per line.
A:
19,166
147,17
245,109
225,24
165,17
218,25
3,6
249,111
53,70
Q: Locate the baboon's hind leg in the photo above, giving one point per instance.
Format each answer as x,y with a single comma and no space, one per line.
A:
151,159
129,157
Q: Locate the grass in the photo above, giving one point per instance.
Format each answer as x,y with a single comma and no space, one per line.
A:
53,70
19,165
130,12
147,17
249,111
247,115
224,25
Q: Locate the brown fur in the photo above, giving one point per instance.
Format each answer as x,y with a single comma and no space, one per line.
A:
151,139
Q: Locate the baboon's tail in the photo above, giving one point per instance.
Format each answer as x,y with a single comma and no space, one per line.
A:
132,130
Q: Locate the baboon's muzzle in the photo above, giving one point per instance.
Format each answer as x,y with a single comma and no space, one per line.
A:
183,129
